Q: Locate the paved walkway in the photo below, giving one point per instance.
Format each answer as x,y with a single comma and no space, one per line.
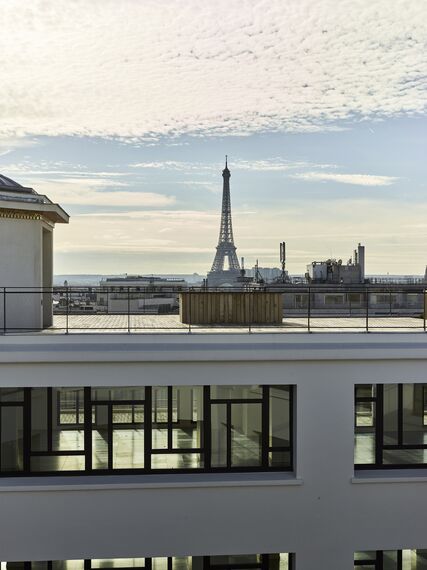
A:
171,324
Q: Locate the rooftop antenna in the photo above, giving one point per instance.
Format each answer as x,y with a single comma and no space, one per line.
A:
226,157
283,260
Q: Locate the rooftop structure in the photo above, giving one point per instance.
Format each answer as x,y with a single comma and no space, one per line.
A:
334,271
27,221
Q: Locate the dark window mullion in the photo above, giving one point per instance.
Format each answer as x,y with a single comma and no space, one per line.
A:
229,428
379,560
265,423
87,426
400,414
148,439
49,419
206,435
110,436
27,429
170,416
379,427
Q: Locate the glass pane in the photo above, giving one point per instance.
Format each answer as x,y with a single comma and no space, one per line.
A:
188,407
219,435
159,438
118,563
176,461
414,431
365,555
420,557
279,459
67,419
160,404
236,392
181,563
11,394
364,447
125,393
39,419
100,438
365,414
390,560
232,560
58,463
365,390
69,405
128,448
12,434
246,435
390,414
278,561
404,456
123,414
279,432
159,563
68,565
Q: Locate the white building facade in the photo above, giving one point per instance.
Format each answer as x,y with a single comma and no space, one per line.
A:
131,447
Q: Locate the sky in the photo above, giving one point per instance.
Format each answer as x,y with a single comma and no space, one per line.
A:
122,112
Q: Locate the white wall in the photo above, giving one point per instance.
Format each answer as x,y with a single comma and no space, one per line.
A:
21,266
322,513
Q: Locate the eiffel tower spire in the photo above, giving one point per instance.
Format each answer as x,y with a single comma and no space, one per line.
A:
226,248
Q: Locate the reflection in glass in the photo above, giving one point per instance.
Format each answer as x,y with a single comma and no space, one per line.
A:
39,419
246,435
413,414
118,563
219,435
11,433
279,416
390,414
128,448
11,395
176,461
100,438
227,392
125,393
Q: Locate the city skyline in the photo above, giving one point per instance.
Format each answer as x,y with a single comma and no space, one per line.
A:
321,109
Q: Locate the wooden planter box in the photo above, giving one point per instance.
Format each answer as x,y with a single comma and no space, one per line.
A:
231,308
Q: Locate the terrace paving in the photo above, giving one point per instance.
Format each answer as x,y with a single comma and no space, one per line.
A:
103,323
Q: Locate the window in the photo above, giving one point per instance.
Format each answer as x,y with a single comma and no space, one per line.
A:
146,429
334,300
390,425
391,560
281,561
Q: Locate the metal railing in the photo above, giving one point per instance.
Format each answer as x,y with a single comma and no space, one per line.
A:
315,308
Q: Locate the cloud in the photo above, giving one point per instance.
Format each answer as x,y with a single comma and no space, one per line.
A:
355,179
147,69
99,192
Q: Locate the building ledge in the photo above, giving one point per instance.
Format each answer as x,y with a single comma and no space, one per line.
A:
185,348
161,481
390,476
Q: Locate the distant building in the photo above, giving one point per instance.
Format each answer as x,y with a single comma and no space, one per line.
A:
334,271
138,293
268,274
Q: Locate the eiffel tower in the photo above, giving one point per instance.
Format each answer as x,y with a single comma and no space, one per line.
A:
225,249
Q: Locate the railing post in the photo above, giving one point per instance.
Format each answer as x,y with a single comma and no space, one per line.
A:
128,310
189,310
309,311
67,293
4,310
367,310
424,309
